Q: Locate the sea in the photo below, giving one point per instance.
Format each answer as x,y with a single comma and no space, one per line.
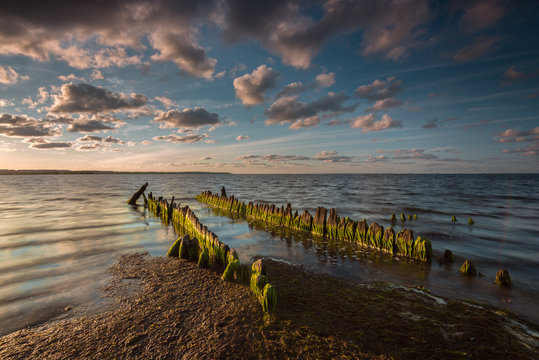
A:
60,233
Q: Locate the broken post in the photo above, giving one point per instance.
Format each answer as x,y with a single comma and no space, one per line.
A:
134,198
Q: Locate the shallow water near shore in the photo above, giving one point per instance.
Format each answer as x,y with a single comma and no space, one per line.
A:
59,233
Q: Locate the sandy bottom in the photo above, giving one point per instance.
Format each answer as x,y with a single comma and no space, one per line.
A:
166,308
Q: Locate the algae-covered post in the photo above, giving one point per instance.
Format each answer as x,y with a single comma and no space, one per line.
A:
133,199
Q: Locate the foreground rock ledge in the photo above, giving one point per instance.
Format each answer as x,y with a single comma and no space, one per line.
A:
183,312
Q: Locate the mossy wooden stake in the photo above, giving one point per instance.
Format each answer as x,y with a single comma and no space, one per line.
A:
470,221
503,278
468,268
453,218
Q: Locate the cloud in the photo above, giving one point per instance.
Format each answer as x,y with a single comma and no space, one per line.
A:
24,126
85,98
514,135
389,28
242,137
384,104
70,77
193,138
187,118
273,158
379,158
108,139
9,76
251,88
512,74
6,103
480,15
420,154
367,123
379,89
332,157
87,126
165,101
482,45
42,144
531,150
288,109
325,80
100,35
97,75
292,89
180,48
435,123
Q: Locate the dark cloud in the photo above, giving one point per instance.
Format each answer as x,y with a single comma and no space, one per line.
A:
482,45
108,139
23,126
479,15
172,138
87,126
187,118
368,123
332,157
250,88
379,89
288,110
42,32
42,144
291,89
85,98
390,28
512,75
430,124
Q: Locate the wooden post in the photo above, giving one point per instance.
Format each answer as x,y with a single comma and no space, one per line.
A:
134,198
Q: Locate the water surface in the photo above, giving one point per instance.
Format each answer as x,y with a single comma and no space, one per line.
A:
59,233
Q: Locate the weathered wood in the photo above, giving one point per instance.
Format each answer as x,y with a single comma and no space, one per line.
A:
134,198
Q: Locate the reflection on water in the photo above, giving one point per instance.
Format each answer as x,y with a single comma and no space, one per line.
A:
58,233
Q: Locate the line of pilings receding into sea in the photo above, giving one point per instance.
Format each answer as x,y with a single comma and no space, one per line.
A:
329,224
203,246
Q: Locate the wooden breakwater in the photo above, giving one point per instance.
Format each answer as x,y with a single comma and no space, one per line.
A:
329,224
203,246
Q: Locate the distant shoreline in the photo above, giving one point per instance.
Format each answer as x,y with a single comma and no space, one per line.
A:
90,172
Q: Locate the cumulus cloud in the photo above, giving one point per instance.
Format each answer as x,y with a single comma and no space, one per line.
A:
325,80
289,109
108,139
85,98
165,101
389,28
292,89
97,74
482,45
87,126
5,103
515,135
480,15
332,157
24,126
368,123
251,88
173,138
187,118
273,158
112,27
181,49
384,104
242,137
42,144
70,77
531,150
9,76
380,89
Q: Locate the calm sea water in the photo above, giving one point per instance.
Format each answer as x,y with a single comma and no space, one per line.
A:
59,233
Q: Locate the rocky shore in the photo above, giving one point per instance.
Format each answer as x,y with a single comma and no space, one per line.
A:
181,311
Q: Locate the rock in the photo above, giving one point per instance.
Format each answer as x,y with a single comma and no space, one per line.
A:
468,268
502,278
448,256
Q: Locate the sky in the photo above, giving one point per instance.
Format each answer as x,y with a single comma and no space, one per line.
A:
280,86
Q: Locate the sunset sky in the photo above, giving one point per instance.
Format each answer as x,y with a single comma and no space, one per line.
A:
270,86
